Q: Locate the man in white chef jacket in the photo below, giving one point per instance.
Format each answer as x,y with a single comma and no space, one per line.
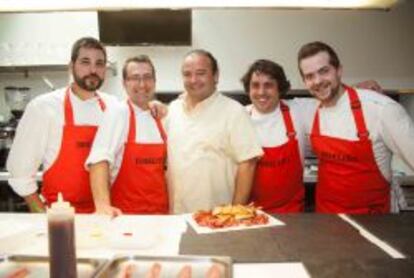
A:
354,134
212,145
56,132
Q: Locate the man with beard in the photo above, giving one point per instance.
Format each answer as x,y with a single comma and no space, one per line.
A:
280,125
354,134
56,132
130,149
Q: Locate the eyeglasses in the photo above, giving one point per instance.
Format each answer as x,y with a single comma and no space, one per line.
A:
139,78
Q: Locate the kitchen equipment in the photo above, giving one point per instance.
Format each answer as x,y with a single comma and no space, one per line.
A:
170,265
6,140
16,99
38,266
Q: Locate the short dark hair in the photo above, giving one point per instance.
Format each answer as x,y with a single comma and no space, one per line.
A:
313,48
137,59
270,68
86,42
213,61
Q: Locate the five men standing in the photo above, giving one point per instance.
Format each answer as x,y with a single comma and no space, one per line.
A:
212,145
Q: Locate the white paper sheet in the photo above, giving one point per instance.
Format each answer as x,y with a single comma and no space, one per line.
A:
147,235
99,236
270,270
206,230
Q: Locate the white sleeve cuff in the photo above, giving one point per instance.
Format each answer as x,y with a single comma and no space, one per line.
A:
99,156
23,186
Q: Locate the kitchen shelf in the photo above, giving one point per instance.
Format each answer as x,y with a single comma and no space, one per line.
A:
25,69
32,68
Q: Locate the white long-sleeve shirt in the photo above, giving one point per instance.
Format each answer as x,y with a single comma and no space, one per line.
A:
271,128
390,127
39,134
109,143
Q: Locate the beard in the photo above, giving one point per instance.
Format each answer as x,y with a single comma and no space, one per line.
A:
327,96
88,83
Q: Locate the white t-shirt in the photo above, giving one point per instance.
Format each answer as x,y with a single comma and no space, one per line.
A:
39,134
205,146
109,143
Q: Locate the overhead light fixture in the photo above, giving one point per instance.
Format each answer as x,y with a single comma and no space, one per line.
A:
102,5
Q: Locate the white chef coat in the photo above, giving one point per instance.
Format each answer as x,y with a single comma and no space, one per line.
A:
390,127
109,143
271,128
205,146
39,134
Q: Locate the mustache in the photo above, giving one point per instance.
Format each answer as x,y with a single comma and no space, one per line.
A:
92,75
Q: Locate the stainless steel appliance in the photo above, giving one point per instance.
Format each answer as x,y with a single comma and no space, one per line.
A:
16,99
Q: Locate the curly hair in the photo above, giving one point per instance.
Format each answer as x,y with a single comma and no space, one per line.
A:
270,68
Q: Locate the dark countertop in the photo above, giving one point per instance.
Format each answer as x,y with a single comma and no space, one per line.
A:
327,245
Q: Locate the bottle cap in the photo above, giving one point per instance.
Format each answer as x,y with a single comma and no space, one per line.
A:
60,205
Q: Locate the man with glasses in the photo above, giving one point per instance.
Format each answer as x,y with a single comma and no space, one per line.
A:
130,150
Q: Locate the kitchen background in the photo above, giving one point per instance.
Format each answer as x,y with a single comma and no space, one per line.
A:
372,45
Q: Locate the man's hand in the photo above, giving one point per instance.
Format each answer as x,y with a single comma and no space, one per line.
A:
158,109
370,85
108,210
34,203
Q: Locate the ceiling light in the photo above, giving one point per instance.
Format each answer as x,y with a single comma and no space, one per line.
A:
93,5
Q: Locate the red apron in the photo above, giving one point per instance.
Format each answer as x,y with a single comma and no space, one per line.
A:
67,174
278,185
140,187
349,180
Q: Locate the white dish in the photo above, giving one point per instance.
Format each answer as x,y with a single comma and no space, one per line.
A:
206,230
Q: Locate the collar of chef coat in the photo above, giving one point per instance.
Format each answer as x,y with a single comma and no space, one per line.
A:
199,106
138,109
75,98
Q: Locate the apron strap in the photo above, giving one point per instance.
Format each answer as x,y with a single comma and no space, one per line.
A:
101,103
67,106
290,130
161,129
356,107
315,126
132,125
362,132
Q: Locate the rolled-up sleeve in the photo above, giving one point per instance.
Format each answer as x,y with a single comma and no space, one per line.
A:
110,137
28,149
